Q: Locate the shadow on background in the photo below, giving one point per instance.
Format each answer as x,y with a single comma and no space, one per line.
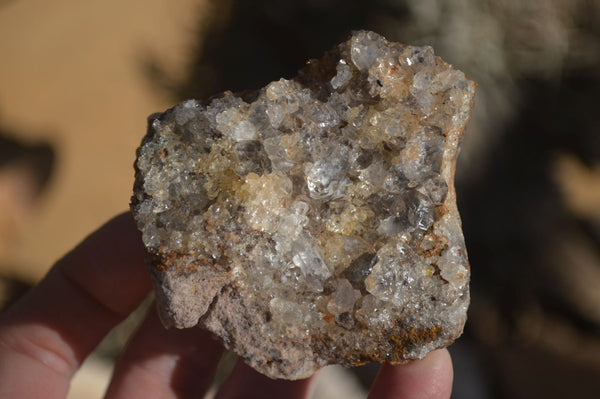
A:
25,172
521,236
246,45
40,158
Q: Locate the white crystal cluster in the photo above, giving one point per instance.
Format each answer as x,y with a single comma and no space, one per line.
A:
315,218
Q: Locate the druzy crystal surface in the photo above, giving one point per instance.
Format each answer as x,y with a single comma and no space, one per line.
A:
314,221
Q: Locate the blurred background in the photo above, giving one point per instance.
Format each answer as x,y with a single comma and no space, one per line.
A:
78,79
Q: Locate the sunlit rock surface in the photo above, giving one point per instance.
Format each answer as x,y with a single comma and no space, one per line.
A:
314,221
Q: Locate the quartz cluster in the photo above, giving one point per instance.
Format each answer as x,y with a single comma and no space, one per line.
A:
313,221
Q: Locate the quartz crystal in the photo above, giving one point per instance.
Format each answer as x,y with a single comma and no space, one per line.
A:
313,221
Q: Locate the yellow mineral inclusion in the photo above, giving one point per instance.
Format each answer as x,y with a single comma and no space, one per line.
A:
293,148
266,199
369,284
350,221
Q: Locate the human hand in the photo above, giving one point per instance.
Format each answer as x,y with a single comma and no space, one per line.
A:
45,337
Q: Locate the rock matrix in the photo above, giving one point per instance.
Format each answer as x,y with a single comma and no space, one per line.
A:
314,221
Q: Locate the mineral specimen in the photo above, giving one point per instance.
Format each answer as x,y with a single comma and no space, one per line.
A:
314,221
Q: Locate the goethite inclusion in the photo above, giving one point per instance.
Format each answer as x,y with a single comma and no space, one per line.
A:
314,221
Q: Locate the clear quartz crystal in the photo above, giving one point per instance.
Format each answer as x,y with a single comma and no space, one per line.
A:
314,221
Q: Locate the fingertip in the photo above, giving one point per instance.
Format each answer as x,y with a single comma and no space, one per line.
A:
109,264
165,363
430,377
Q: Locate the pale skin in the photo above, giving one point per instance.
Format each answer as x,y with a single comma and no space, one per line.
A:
45,337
